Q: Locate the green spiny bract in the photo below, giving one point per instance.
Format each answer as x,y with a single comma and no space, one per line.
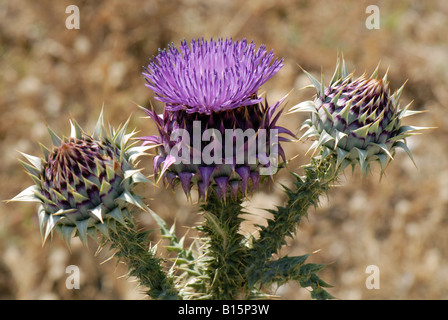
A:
356,121
84,182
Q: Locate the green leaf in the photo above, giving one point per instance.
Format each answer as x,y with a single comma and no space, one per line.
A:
406,129
82,230
135,152
54,137
32,171
362,159
338,136
341,155
321,294
75,129
104,228
305,106
315,83
375,72
28,195
133,199
344,113
98,212
35,161
383,160
362,131
45,150
51,222
117,215
105,187
402,145
136,176
324,138
337,75
99,128
66,232
78,197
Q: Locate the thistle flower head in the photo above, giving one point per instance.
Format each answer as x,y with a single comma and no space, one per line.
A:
212,76
84,181
215,131
356,120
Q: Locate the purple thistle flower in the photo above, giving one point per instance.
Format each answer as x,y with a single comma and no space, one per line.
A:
215,131
210,76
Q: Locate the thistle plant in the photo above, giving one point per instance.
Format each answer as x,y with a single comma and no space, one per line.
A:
356,121
218,135
210,91
84,184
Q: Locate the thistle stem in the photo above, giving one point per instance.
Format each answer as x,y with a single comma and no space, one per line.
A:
133,248
306,193
225,249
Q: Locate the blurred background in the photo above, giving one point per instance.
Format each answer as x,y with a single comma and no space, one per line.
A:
49,72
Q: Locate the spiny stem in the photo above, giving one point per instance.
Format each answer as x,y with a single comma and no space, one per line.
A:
133,248
286,220
227,254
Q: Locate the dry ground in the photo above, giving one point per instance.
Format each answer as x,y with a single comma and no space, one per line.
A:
49,72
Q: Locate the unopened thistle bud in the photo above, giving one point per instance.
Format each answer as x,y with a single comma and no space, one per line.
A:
84,182
356,121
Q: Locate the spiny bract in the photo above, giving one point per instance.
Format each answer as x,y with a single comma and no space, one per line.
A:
84,182
356,121
234,165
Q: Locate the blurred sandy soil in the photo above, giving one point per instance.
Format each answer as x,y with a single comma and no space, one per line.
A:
49,73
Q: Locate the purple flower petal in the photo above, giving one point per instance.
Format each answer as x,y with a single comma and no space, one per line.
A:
234,186
185,179
169,160
202,189
206,173
221,183
171,177
210,76
244,173
255,176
